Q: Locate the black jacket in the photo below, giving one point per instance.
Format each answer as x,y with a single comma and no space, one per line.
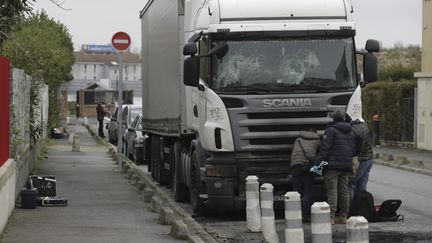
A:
337,147
363,141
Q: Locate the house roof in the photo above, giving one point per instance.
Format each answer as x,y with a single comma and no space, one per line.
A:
107,58
98,86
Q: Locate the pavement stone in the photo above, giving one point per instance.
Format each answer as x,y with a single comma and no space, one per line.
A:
102,206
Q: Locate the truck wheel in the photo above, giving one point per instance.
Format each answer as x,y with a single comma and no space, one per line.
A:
179,189
196,186
155,156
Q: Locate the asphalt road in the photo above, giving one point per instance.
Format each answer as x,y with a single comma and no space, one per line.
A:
415,190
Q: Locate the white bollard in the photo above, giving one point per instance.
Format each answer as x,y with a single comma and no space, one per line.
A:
253,212
293,217
71,135
267,213
85,121
67,120
321,224
75,144
357,230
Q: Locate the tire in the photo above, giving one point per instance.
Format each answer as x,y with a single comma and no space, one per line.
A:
181,193
196,186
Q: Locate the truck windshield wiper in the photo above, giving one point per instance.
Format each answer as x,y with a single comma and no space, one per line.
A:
246,88
300,87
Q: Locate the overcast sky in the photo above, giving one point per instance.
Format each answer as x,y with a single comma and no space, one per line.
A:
95,21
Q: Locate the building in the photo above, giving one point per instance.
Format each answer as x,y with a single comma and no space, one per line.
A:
424,84
98,63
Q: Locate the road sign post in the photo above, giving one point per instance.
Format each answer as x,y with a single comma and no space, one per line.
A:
121,42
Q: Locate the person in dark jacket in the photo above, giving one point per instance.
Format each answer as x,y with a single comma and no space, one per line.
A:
337,149
364,155
304,149
100,112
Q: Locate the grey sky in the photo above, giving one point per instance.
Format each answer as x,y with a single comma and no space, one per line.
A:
95,21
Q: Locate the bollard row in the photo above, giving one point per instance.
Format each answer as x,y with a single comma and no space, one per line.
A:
321,225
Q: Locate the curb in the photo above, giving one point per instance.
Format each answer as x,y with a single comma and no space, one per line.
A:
400,163
195,232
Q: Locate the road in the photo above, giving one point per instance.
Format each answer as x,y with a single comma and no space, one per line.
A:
415,190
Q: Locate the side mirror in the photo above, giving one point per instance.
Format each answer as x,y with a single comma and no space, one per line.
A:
191,71
190,49
195,37
372,46
370,61
370,67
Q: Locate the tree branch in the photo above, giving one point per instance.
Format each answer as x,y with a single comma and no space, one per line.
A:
59,3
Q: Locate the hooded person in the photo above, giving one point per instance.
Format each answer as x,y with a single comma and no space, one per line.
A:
304,151
338,150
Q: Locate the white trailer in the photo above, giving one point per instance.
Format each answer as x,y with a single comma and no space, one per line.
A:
228,86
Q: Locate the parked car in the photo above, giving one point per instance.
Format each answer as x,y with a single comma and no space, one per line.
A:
129,111
134,141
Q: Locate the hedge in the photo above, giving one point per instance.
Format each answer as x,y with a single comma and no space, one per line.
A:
394,103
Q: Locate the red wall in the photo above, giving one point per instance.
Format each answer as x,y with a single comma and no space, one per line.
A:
4,110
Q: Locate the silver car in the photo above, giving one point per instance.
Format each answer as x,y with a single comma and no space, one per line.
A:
128,112
134,141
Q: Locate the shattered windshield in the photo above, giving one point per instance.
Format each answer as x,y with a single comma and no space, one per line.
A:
285,65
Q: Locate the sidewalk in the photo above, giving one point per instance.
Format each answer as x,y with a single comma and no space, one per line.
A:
405,157
102,206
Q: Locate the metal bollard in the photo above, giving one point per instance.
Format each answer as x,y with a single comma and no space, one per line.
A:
357,230
85,121
75,144
321,224
253,212
267,213
293,217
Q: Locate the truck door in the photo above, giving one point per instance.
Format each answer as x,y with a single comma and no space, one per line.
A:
199,100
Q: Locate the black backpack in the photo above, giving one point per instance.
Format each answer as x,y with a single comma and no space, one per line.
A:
364,206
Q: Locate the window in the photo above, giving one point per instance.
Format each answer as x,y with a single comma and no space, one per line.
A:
285,65
85,68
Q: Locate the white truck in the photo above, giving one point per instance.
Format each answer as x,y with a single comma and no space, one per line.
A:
229,84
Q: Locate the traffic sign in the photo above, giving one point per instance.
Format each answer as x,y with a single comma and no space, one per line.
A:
121,41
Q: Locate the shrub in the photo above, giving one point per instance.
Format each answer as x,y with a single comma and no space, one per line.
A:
394,102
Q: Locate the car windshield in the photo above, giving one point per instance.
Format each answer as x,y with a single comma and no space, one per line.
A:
285,65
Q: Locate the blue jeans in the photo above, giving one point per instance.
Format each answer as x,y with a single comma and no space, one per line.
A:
360,180
303,183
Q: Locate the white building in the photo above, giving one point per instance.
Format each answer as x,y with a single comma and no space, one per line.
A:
98,63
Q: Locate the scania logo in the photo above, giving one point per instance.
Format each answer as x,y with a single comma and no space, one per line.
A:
279,103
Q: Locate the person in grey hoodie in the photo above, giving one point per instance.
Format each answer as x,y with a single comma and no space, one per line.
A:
304,149
338,150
